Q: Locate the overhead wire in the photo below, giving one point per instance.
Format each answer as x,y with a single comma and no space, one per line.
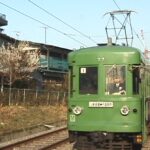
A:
28,16
116,4
54,16
132,27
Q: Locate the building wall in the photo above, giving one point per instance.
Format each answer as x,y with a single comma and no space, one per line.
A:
53,64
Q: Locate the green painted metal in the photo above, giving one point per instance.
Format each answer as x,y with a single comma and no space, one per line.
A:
106,119
121,55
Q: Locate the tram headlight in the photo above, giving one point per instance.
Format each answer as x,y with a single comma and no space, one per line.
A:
77,110
124,110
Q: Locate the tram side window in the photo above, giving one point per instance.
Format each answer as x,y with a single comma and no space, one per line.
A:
88,80
136,80
115,80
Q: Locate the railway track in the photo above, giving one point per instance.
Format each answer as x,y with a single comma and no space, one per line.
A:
22,132
45,140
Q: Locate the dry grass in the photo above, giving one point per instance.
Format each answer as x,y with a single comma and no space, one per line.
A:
20,117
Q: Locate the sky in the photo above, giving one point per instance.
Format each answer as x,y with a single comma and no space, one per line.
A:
72,23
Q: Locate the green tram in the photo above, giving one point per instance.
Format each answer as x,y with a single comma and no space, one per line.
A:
108,98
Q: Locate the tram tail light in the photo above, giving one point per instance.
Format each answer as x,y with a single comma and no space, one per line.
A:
139,139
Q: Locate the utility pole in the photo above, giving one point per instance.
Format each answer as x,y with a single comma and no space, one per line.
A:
17,34
10,78
45,33
143,39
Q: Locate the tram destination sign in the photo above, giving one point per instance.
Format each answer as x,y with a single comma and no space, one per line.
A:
101,104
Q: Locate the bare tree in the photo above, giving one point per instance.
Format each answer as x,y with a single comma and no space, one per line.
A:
18,62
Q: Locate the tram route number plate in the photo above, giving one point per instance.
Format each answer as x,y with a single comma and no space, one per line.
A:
100,104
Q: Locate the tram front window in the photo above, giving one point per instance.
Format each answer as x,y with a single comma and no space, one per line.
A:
115,80
88,80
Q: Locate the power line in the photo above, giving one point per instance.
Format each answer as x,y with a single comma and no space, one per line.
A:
116,4
28,16
62,21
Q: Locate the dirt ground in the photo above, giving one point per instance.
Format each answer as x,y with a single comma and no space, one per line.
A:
20,117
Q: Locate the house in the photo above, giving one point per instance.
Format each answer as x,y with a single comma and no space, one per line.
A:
53,63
